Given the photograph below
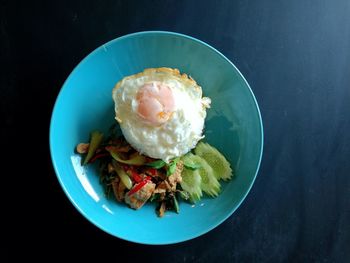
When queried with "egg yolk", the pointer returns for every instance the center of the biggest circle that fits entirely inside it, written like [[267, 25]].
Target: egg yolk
[[155, 103]]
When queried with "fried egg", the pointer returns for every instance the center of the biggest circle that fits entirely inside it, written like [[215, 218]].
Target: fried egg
[[161, 112]]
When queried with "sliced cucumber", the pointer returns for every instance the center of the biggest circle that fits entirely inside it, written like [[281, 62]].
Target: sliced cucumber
[[215, 159], [191, 182], [209, 183]]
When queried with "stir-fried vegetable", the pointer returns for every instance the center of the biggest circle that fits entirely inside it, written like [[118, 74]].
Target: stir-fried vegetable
[[172, 166], [96, 139], [156, 164], [138, 186], [176, 204], [136, 160], [98, 156], [136, 179], [122, 174]]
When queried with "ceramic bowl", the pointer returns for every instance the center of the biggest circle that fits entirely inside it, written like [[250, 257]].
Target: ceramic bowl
[[233, 125]]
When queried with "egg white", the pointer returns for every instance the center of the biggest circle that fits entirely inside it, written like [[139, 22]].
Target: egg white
[[184, 128]]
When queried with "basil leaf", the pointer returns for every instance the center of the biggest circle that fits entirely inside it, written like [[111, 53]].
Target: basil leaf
[[171, 169], [192, 166], [154, 197], [156, 164]]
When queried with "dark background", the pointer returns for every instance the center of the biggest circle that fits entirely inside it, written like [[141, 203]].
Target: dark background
[[294, 54]]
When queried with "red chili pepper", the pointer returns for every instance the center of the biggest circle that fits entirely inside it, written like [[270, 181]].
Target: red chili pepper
[[138, 187], [132, 172], [152, 171], [136, 177], [97, 156], [109, 148]]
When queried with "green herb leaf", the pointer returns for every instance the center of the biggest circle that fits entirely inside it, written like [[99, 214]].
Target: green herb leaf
[[154, 197], [176, 204], [192, 166], [156, 164], [171, 167]]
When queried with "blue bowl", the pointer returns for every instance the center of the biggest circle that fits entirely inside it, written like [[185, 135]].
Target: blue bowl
[[233, 125]]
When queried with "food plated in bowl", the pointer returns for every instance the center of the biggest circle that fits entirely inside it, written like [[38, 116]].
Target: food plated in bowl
[[161, 114], [232, 125]]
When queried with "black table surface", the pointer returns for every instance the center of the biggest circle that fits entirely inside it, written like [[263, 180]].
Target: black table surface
[[296, 57]]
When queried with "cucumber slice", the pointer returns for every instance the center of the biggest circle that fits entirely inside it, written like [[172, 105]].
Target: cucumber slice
[[215, 159], [209, 183], [191, 182]]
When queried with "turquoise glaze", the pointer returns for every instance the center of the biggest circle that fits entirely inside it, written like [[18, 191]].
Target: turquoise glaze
[[233, 125]]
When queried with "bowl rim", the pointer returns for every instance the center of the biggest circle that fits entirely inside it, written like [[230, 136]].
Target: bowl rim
[[55, 109]]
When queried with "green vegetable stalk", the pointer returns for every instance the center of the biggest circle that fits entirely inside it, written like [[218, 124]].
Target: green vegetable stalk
[[96, 139], [122, 175], [137, 160]]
